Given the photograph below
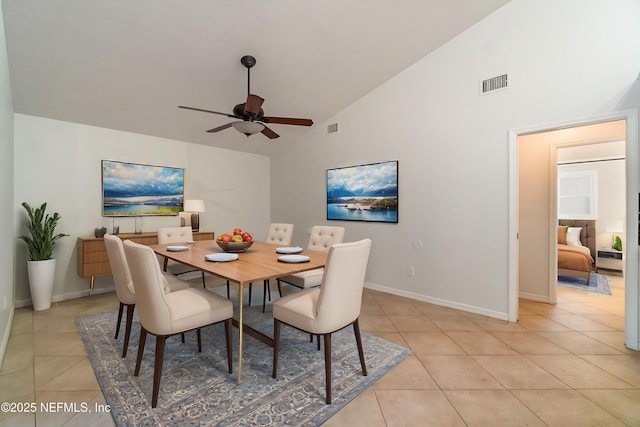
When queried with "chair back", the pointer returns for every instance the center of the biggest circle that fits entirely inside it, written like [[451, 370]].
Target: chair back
[[324, 236], [340, 296], [119, 269], [174, 235], [280, 234], [149, 284]]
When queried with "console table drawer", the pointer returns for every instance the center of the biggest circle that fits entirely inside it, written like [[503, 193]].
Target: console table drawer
[[94, 246], [95, 257], [96, 269]]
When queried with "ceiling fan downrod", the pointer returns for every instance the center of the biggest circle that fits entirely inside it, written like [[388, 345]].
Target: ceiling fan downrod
[[248, 61]]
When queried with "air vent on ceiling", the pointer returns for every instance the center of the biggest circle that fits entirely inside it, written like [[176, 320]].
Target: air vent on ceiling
[[493, 84], [332, 128]]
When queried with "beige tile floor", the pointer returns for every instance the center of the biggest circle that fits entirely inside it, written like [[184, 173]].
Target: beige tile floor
[[562, 365]]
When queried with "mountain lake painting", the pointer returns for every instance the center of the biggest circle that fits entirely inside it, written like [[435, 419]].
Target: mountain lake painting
[[130, 189], [363, 193]]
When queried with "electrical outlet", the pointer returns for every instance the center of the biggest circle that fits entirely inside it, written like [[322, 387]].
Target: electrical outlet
[[411, 271]]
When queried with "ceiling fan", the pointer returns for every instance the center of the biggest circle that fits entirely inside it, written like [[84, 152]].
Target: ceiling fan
[[250, 114]]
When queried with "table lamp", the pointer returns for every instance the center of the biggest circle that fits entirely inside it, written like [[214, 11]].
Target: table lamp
[[195, 207]]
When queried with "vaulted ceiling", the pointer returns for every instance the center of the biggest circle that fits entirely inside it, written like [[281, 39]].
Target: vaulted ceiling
[[128, 64]]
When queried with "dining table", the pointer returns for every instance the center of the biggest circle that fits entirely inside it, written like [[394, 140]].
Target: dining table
[[261, 261]]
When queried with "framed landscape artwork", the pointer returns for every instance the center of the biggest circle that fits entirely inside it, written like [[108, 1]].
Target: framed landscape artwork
[[131, 189], [363, 193]]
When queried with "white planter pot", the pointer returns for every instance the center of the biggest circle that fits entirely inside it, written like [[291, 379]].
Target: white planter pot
[[41, 275]]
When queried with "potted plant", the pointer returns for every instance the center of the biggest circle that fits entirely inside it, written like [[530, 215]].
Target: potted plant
[[617, 244], [41, 241]]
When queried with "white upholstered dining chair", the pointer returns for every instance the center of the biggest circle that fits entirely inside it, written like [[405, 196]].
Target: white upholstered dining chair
[[321, 239], [166, 314], [167, 235], [280, 234], [124, 285], [330, 308]]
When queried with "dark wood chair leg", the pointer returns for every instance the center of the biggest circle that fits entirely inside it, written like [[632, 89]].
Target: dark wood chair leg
[[276, 346], [204, 284], [141, 343], [356, 330], [127, 328], [250, 292], [228, 296], [318, 338], [182, 335], [264, 295], [119, 320], [327, 365], [199, 334], [166, 263], [157, 370], [227, 331], [267, 286], [279, 287]]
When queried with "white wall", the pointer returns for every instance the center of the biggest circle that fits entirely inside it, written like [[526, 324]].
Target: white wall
[[535, 222], [60, 163], [565, 60], [6, 194]]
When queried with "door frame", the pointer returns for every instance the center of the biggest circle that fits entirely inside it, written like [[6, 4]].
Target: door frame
[[632, 300]]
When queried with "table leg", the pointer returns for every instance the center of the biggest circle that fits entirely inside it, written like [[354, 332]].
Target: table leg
[[240, 324]]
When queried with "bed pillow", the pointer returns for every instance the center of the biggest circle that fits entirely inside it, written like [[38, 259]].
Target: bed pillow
[[562, 234], [573, 236]]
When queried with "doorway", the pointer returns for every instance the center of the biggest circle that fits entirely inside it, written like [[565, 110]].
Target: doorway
[[530, 272], [591, 186]]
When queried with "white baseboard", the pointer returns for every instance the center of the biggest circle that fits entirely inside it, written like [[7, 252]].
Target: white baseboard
[[68, 296], [368, 285], [5, 335], [534, 297], [438, 301]]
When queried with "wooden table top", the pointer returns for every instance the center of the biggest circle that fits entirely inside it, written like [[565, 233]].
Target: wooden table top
[[259, 262]]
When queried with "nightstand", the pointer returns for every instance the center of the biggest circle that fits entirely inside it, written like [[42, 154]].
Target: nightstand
[[610, 261]]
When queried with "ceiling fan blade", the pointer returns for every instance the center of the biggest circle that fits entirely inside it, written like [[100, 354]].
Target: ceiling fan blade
[[209, 111], [287, 121], [253, 105], [219, 128], [269, 133]]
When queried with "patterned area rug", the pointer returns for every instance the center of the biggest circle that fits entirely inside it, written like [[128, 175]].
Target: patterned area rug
[[598, 283], [196, 388]]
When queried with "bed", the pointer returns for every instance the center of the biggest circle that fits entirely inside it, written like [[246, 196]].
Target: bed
[[576, 248]]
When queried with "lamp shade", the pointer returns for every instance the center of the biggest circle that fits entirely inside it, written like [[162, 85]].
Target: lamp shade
[[194, 205], [248, 128], [615, 226]]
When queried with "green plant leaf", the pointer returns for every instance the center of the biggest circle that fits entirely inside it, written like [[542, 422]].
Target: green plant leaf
[[617, 245], [42, 238]]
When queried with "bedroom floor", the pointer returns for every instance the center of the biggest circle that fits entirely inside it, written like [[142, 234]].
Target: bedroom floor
[[561, 365]]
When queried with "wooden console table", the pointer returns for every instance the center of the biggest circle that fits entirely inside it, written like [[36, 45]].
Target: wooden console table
[[93, 260]]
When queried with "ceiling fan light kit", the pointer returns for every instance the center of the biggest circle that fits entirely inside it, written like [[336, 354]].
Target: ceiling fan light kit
[[250, 113], [248, 128]]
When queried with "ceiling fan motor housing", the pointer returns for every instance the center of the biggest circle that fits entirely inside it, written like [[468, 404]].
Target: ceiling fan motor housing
[[238, 111]]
